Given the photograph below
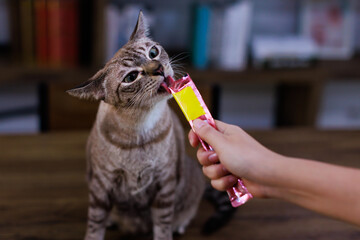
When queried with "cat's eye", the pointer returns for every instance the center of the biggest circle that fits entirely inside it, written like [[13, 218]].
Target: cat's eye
[[131, 77], [153, 52]]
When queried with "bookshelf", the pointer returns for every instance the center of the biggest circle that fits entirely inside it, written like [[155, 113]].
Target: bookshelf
[[298, 91]]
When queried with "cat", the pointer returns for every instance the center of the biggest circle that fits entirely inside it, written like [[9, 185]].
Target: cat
[[137, 168], [136, 158]]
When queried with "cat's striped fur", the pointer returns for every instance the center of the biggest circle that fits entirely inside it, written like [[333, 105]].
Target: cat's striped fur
[[137, 168]]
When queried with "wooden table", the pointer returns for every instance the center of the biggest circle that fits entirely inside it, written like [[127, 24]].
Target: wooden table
[[43, 194]]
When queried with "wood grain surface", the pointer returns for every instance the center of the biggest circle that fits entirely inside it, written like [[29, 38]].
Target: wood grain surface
[[43, 193]]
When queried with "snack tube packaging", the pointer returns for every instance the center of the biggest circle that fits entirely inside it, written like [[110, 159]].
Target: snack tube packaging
[[193, 106]]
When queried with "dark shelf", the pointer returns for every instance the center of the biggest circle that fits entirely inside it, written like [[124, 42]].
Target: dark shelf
[[299, 91], [19, 74], [324, 70]]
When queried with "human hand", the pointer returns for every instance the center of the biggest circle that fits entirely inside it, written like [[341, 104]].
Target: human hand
[[239, 154], [268, 174]]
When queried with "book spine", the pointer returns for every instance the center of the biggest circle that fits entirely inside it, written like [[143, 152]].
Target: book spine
[[237, 21], [74, 30], [41, 32], [54, 33], [69, 32], [27, 32], [200, 37]]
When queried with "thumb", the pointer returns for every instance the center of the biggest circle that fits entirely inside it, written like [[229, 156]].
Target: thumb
[[207, 133]]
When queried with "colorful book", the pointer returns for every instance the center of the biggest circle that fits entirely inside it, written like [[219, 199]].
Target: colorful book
[[54, 33], [200, 42], [41, 32], [69, 32]]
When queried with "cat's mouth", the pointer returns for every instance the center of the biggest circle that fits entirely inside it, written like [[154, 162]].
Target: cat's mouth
[[164, 86]]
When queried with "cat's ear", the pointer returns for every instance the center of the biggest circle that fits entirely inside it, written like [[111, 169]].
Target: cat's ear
[[93, 89], [141, 29]]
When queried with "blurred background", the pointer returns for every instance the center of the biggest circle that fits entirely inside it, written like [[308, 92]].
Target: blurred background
[[259, 64]]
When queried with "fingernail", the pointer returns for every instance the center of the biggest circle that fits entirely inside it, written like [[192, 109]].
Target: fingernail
[[213, 158], [198, 123]]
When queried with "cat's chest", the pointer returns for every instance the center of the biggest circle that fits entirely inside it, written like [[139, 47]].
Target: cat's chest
[[138, 172], [132, 181]]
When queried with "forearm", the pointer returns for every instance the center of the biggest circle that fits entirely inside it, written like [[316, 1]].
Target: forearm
[[328, 189]]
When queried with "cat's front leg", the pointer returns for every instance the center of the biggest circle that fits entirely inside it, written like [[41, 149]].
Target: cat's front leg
[[98, 213], [162, 211]]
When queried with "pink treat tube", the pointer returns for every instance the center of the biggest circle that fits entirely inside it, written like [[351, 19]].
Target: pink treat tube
[[193, 106]]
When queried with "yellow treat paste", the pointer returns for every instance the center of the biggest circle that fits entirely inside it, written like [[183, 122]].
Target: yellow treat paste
[[189, 103]]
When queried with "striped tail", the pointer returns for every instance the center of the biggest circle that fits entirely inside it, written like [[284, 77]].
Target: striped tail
[[223, 210]]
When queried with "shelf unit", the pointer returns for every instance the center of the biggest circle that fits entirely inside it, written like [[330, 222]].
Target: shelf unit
[[298, 90]]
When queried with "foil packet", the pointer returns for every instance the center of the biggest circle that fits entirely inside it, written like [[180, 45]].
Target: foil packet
[[193, 106]]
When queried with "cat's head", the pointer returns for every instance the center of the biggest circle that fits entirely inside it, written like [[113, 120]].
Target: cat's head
[[133, 77]]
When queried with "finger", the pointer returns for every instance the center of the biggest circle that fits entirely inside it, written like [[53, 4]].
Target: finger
[[206, 158], [193, 139], [226, 129], [224, 183], [209, 134], [215, 171], [221, 126]]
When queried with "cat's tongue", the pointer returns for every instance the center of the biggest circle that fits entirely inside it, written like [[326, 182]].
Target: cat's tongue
[[168, 81], [164, 86]]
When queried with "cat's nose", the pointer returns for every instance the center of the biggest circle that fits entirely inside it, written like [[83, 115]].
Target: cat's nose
[[154, 68]]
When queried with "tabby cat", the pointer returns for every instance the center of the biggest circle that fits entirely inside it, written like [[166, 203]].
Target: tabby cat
[[137, 169]]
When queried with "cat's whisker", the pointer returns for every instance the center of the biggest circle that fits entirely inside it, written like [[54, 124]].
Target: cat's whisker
[[180, 56], [179, 70], [177, 65], [175, 61]]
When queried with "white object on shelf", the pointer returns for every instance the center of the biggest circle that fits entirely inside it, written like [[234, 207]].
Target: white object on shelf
[[331, 25], [265, 48], [340, 107], [248, 105], [19, 109], [236, 25], [20, 125]]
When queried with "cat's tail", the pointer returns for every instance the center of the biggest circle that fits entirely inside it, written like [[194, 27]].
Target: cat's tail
[[223, 210]]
